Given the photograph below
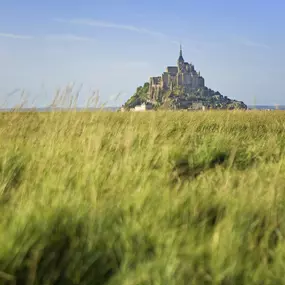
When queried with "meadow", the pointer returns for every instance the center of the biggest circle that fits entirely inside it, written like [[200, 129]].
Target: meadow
[[142, 198]]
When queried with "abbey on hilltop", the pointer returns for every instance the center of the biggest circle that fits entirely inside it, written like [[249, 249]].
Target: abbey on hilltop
[[182, 75], [179, 87]]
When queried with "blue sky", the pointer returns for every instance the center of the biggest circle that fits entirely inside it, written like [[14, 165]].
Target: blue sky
[[113, 46]]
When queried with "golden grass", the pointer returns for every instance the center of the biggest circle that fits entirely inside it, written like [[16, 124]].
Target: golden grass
[[142, 198]]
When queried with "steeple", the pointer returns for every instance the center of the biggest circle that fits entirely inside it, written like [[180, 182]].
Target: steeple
[[181, 59]]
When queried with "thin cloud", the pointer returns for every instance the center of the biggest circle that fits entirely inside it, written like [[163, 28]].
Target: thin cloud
[[110, 25], [15, 36], [68, 37], [249, 43], [176, 43], [136, 64], [255, 44]]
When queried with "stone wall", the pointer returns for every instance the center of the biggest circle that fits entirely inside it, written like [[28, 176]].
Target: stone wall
[[165, 80], [173, 70]]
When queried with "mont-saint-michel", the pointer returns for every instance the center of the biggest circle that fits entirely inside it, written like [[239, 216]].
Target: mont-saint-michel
[[179, 87]]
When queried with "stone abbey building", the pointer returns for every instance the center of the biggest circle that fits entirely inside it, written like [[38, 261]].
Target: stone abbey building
[[183, 75], [180, 87]]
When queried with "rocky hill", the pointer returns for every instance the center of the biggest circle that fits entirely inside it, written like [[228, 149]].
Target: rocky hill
[[181, 98]]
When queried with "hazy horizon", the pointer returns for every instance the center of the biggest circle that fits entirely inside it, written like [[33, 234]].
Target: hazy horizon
[[115, 46]]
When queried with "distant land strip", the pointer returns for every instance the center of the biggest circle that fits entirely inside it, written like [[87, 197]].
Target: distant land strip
[[114, 109]]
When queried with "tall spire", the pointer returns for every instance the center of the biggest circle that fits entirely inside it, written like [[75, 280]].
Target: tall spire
[[180, 59]]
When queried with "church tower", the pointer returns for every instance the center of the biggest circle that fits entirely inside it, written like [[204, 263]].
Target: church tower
[[180, 62]]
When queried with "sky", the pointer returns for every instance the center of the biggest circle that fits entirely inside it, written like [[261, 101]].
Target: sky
[[110, 47]]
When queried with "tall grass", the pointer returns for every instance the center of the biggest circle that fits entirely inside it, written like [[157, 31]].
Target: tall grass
[[142, 198]]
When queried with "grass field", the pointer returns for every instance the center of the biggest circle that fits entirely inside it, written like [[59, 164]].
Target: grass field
[[142, 198]]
